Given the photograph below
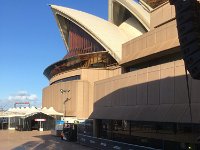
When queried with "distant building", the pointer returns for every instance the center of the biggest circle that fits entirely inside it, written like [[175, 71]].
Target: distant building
[[127, 74]]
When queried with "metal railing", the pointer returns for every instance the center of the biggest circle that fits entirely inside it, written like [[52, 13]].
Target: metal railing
[[102, 144]]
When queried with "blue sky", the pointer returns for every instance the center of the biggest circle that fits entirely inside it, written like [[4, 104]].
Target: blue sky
[[29, 42]]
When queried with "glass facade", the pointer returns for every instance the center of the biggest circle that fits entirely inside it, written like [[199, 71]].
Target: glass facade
[[86, 128], [168, 136], [83, 50], [154, 62]]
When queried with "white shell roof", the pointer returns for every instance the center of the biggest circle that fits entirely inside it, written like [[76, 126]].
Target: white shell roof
[[136, 9], [107, 34]]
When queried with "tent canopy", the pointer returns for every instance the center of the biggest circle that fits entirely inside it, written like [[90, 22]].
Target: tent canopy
[[27, 111]]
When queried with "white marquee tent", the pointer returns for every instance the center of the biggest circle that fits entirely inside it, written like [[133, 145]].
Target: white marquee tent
[[25, 112]]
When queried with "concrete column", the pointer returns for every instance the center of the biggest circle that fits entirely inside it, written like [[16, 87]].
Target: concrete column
[[96, 126]]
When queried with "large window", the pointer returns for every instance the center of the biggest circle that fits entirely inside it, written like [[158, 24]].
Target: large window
[[161, 135], [86, 128], [118, 130], [153, 62], [76, 77]]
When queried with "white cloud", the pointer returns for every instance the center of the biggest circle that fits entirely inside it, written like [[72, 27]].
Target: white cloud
[[20, 96], [33, 97]]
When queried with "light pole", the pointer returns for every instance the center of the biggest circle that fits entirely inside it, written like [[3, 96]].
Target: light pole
[[62, 91], [67, 99]]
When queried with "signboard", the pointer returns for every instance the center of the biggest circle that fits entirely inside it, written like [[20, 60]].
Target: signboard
[[40, 119], [60, 122], [22, 103]]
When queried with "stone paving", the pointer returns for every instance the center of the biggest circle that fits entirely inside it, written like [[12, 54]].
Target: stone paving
[[35, 140]]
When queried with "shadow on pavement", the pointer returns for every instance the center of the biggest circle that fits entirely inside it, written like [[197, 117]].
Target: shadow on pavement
[[50, 142]]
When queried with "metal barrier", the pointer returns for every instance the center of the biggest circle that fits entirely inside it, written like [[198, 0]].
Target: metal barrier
[[100, 143]]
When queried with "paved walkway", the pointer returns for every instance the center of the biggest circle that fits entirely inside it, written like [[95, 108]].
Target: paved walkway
[[35, 140]]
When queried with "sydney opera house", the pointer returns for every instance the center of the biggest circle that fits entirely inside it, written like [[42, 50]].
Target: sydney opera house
[[126, 74]]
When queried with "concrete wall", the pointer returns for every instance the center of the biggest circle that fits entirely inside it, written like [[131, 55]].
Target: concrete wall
[[162, 14], [65, 74], [156, 93], [156, 43], [81, 91], [78, 95], [93, 75]]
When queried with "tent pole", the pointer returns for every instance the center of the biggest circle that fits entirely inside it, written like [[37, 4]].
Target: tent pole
[[9, 123], [23, 123]]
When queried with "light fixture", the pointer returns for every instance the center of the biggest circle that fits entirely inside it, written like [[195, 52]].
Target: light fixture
[[63, 91], [67, 99]]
